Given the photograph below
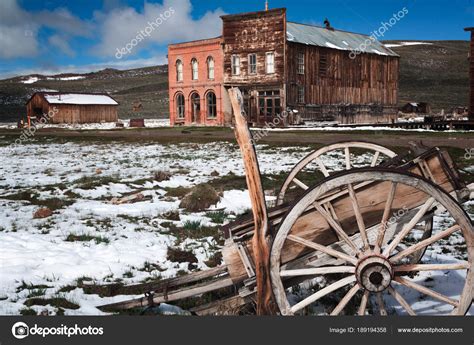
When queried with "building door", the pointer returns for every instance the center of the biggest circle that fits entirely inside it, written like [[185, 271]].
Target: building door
[[195, 108], [269, 106]]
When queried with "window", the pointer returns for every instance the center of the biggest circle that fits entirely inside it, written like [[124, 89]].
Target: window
[[300, 63], [269, 105], [210, 67], [235, 65], [180, 106], [300, 94], [270, 63], [194, 68], [323, 64], [179, 70], [211, 104], [252, 63]]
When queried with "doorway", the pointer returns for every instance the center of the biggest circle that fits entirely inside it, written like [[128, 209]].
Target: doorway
[[195, 107]]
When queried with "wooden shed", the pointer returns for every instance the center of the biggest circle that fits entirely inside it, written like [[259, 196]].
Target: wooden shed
[[416, 107], [58, 107], [471, 74]]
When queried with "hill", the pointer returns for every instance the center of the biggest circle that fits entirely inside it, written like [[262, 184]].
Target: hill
[[146, 86], [431, 71], [436, 72]]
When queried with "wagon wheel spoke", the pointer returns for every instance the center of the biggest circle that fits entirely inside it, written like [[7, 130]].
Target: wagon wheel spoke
[[409, 227], [323, 292], [426, 291], [334, 224], [345, 300], [317, 271], [347, 155], [385, 217], [375, 158], [381, 304], [322, 167], [363, 303], [462, 265], [300, 184], [324, 249], [359, 218], [401, 300], [424, 243]]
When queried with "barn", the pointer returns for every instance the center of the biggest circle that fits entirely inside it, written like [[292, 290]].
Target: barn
[[58, 107]]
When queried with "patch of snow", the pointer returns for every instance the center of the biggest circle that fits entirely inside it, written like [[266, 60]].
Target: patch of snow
[[30, 80], [331, 45], [78, 98], [401, 44]]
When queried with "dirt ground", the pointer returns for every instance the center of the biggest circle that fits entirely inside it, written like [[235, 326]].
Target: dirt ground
[[462, 140]]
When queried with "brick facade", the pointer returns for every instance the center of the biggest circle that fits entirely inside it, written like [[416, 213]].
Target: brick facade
[[196, 92]]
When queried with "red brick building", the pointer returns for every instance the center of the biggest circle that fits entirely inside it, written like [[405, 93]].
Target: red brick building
[[196, 88]]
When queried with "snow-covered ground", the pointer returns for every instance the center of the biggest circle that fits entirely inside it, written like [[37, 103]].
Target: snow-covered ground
[[89, 238], [150, 123]]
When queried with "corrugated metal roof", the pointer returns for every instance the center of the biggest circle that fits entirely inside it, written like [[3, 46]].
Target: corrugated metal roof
[[335, 39]]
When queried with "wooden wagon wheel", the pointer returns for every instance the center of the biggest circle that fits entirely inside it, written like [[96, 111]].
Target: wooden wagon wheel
[[367, 262], [315, 157]]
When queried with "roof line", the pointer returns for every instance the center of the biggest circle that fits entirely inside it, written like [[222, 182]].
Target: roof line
[[322, 27]]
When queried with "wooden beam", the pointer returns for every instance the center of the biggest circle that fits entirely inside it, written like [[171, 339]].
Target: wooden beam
[[261, 250]]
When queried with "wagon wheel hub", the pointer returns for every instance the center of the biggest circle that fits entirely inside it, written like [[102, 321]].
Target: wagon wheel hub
[[374, 273]]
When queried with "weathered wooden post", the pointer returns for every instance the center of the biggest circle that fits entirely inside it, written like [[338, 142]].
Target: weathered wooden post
[[257, 197]]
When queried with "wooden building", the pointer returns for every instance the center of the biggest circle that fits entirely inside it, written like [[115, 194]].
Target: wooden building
[[289, 72], [416, 107], [57, 107], [471, 75]]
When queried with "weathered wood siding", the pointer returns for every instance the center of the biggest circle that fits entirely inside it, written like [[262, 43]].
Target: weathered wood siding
[[259, 33], [369, 78], [72, 113]]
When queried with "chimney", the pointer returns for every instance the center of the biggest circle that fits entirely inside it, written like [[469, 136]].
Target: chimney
[[328, 25], [266, 5]]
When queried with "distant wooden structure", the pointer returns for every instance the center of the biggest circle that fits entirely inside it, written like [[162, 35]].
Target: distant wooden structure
[[471, 74], [57, 107], [416, 107]]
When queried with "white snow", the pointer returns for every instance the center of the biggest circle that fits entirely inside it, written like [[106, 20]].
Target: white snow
[[77, 98], [78, 77], [124, 238], [401, 44], [30, 80], [331, 45]]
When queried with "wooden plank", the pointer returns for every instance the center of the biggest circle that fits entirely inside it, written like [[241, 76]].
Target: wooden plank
[[173, 295], [261, 250]]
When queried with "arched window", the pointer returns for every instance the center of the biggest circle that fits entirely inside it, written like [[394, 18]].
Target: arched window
[[194, 68], [211, 104], [210, 67], [179, 70], [180, 106]]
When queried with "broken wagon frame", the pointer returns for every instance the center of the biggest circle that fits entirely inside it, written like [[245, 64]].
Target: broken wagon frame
[[339, 230]]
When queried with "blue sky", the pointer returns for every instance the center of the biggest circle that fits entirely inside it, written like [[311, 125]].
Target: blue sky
[[55, 36]]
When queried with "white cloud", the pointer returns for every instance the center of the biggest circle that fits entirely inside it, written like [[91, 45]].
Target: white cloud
[[19, 28], [123, 24], [61, 42]]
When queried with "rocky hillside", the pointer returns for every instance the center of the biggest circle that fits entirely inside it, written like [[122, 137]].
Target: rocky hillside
[[141, 92]]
